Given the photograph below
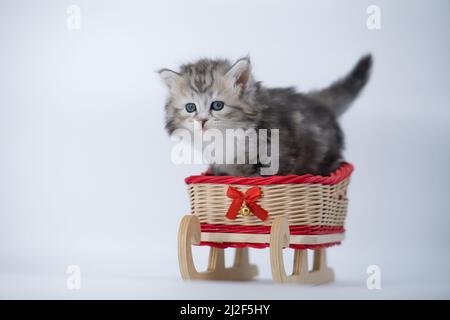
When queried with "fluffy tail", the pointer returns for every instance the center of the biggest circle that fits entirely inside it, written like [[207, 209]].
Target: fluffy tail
[[339, 95]]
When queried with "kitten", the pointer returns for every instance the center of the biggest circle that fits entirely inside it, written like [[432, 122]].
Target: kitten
[[218, 94]]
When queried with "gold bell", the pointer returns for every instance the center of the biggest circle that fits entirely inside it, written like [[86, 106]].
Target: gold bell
[[245, 211]]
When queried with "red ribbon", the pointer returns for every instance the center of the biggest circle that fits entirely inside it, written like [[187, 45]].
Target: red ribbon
[[250, 197]]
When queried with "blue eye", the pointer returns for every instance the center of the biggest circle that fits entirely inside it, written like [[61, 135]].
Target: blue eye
[[190, 107], [217, 105]]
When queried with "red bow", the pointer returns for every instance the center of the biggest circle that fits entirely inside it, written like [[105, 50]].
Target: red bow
[[250, 197]]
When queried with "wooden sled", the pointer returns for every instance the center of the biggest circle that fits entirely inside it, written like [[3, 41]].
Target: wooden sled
[[298, 212]]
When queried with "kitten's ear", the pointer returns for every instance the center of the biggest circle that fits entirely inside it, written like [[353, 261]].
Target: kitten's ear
[[170, 78], [240, 72]]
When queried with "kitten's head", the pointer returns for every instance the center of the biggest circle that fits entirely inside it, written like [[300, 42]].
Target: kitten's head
[[210, 94]]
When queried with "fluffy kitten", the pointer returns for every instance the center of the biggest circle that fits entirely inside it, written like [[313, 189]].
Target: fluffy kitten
[[221, 95]]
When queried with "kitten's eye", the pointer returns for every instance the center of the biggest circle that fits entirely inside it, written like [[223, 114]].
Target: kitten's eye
[[190, 107], [217, 105]]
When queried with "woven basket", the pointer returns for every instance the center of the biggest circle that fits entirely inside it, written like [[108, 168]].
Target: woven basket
[[315, 207]]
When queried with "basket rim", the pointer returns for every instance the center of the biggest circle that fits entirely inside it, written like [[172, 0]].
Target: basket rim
[[342, 173]]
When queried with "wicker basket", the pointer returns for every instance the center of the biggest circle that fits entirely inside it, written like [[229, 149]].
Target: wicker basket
[[300, 212], [313, 205]]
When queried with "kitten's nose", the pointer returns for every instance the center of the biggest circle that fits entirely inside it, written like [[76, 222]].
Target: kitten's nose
[[203, 121]]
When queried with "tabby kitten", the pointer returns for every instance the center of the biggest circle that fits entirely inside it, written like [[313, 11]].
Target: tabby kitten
[[220, 95]]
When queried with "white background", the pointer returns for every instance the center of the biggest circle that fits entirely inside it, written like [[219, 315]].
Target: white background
[[85, 170]]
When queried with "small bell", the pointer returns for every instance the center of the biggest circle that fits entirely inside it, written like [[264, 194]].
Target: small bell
[[245, 211]]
